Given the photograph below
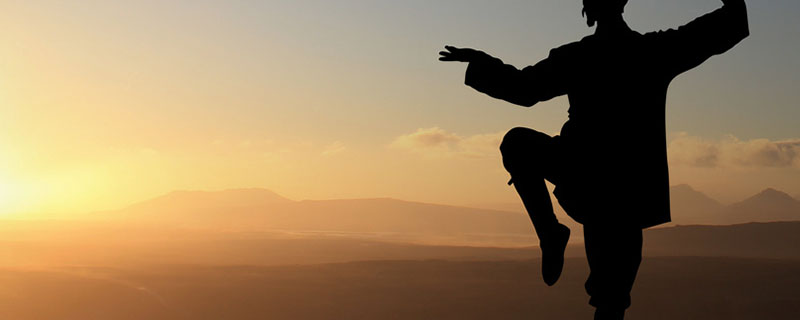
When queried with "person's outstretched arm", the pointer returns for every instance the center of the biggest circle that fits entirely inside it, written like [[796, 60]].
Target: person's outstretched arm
[[708, 35], [526, 87]]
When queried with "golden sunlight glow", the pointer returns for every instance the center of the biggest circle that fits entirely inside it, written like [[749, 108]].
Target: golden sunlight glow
[[7, 198], [107, 105]]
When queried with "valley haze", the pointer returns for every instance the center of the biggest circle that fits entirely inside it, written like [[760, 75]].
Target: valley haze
[[251, 253]]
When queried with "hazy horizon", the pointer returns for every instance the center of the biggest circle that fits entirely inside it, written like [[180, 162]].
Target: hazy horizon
[[511, 205]]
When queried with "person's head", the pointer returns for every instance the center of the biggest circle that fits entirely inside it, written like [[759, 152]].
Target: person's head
[[600, 10]]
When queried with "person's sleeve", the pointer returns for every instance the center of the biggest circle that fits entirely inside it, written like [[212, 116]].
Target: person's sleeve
[[708, 35], [540, 82]]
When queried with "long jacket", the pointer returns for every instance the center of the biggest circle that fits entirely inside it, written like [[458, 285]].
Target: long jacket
[[617, 87]]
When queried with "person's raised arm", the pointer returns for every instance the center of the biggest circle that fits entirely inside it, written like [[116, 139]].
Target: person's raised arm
[[708, 35], [491, 76]]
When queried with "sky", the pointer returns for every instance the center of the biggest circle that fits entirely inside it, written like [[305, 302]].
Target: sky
[[106, 103]]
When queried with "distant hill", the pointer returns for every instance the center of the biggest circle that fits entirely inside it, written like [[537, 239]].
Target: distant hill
[[768, 205], [693, 207], [184, 201], [775, 240], [690, 206], [260, 210], [500, 206]]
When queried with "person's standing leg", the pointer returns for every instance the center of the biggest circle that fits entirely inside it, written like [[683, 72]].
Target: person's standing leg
[[614, 253], [525, 152]]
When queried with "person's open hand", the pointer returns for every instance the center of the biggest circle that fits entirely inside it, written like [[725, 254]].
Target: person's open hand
[[459, 54]]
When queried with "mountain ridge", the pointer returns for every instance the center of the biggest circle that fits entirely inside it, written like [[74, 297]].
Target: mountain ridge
[[769, 204], [691, 206], [223, 210], [258, 208]]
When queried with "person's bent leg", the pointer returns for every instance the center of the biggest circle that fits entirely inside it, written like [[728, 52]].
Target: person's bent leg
[[523, 150], [523, 153], [614, 253]]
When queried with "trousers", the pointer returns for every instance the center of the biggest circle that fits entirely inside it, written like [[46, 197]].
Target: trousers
[[613, 246]]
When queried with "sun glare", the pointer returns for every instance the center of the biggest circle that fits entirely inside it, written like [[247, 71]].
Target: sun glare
[[10, 197], [5, 197]]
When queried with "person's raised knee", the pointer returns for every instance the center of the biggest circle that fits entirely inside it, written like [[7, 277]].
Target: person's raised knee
[[521, 139], [513, 139], [521, 148]]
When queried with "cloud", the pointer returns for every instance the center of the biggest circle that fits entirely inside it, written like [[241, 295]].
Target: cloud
[[427, 138], [333, 148], [439, 142], [730, 151], [684, 149]]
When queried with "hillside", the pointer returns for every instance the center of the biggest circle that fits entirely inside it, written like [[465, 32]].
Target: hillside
[[183, 201], [666, 288], [261, 210], [767, 205], [690, 206], [775, 240], [693, 207], [385, 219], [118, 245]]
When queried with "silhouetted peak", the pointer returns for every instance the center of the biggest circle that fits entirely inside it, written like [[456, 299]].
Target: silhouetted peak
[[773, 194], [685, 194], [207, 199], [770, 198]]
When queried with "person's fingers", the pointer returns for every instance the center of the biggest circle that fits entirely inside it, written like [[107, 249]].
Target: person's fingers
[[454, 54], [453, 49], [451, 59]]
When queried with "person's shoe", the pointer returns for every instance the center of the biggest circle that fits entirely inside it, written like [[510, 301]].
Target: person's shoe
[[553, 246]]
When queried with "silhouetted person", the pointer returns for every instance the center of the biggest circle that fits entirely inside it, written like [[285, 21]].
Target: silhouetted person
[[609, 164]]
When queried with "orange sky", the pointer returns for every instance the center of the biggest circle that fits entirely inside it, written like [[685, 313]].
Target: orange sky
[[107, 104]]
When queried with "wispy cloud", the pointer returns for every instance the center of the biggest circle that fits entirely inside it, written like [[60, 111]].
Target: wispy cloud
[[436, 141], [333, 148], [730, 151], [684, 149]]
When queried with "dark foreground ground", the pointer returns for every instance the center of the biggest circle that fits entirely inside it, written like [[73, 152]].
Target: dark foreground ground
[[667, 288]]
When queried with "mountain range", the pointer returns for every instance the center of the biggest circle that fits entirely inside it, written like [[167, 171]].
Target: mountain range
[[260, 210], [690, 206], [263, 210]]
